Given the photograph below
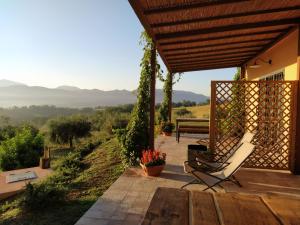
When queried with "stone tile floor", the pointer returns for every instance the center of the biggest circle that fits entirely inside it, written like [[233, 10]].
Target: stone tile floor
[[128, 199]]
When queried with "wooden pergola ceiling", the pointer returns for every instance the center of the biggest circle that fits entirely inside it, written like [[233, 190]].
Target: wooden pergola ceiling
[[209, 34]]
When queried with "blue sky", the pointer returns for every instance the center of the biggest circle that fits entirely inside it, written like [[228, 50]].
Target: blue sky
[[83, 43]]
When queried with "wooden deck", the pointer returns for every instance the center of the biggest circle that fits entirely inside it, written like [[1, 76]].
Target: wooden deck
[[180, 207]]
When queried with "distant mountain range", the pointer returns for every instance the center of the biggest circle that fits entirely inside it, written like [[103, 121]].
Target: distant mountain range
[[18, 94]]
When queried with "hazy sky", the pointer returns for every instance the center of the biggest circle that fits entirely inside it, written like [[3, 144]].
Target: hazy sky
[[84, 43]]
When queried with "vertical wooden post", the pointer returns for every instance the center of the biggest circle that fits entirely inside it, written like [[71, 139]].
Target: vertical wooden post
[[170, 97], [152, 94], [212, 118], [296, 169], [243, 72]]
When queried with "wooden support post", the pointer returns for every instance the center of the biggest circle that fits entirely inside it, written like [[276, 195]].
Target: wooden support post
[[170, 97], [152, 94], [296, 169], [212, 119], [243, 72]]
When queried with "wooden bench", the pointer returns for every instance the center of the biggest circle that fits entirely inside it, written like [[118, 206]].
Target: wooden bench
[[181, 207], [192, 129]]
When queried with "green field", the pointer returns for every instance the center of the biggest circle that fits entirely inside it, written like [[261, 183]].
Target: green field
[[195, 112]]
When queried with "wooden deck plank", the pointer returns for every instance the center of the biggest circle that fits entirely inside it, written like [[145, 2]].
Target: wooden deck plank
[[168, 206], [287, 209], [240, 209], [203, 209]]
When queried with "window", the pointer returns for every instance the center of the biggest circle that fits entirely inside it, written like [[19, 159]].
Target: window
[[274, 76]]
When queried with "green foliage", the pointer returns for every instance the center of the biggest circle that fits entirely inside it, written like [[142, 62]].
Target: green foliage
[[237, 75], [42, 195], [37, 115], [164, 107], [137, 132], [66, 129], [167, 90], [183, 112], [22, 150]]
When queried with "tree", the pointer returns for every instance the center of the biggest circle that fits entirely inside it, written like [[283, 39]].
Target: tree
[[136, 136], [23, 150], [64, 130]]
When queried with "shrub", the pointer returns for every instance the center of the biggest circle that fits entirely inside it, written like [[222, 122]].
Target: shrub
[[68, 167], [183, 112], [42, 195], [23, 150]]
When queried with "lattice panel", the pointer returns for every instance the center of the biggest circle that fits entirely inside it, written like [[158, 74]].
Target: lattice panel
[[262, 107]]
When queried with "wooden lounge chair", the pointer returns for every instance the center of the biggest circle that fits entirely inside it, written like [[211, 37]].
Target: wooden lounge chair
[[212, 179], [195, 159]]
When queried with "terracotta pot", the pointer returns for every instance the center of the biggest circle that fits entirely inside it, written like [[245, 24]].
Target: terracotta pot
[[167, 133], [153, 171]]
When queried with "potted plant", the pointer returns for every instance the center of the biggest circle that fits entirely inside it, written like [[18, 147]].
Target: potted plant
[[153, 162], [167, 128]]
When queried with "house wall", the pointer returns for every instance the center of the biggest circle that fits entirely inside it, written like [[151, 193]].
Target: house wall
[[284, 58]]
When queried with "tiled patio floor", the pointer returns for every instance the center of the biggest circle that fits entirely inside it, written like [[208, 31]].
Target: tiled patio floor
[[127, 200]]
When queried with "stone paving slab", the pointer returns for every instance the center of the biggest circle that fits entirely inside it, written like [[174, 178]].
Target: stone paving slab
[[127, 200]]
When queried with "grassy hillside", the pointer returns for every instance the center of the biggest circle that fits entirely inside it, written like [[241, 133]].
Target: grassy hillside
[[100, 169]]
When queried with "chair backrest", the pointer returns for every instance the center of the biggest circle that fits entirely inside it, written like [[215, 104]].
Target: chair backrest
[[248, 137], [240, 156]]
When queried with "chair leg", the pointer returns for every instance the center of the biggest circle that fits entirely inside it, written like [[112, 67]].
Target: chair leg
[[210, 187], [235, 181], [195, 181]]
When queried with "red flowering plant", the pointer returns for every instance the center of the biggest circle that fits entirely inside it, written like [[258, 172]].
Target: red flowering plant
[[153, 158]]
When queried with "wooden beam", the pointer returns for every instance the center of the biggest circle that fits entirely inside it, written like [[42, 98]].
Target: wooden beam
[[223, 37], [209, 65], [170, 98], [219, 44], [243, 73], [180, 7], [212, 118], [211, 57], [217, 60], [170, 59], [206, 66], [228, 28], [152, 99], [296, 163], [202, 68], [214, 50]]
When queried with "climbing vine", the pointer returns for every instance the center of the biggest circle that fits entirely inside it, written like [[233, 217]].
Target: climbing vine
[[167, 90], [136, 137]]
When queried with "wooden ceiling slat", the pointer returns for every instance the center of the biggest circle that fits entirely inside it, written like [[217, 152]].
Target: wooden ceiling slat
[[198, 65], [181, 7], [240, 58], [170, 59], [208, 34], [290, 21], [190, 69], [220, 44], [223, 37], [235, 15], [212, 57], [194, 53]]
